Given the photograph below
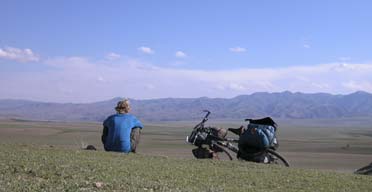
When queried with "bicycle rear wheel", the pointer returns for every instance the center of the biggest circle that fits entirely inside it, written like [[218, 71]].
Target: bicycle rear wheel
[[276, 158], [221, 153], [367, 170]]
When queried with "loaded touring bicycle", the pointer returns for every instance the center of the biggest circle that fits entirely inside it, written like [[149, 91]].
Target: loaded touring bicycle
[[256, 142]]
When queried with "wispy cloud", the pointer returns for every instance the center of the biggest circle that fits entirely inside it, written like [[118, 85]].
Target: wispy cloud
[[146, 50], [358, 85], [101, 79], [306, 45], [135, 79], [180, 54], [238, 49], [306, 42], [20, 55], [149, 86], [344, 59], [112, 56]]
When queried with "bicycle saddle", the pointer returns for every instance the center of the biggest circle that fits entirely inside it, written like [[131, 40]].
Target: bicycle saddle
[[237, 131]]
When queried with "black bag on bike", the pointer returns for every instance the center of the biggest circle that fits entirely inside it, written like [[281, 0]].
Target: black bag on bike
[[259, 135]]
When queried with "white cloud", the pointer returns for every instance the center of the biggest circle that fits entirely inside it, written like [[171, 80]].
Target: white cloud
[[68, 62], [358, 85], [320, 85], [180, 54], [79, 79], [146, 50], [237, 49], [112, 56], [236, 87], [16, 54]]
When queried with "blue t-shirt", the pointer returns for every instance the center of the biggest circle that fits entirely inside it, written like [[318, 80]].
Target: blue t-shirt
[[119, 129]]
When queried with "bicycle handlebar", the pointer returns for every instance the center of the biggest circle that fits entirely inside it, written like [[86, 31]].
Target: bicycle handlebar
[[208, 113], [205, 119], [206, 116]]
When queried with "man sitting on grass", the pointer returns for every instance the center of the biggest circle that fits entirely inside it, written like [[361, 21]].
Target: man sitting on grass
[[121, 131]]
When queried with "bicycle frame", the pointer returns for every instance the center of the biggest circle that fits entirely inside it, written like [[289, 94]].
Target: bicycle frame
[[204, 133], [198, 127]]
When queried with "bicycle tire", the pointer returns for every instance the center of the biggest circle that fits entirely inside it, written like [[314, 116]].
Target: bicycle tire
[[366, 170], [277, 155], [223, 151]]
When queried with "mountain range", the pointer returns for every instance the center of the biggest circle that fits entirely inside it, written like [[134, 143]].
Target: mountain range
[[260, 104]]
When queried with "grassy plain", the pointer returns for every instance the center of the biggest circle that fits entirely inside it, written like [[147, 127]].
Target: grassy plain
[[38, 155], [341, 145], [37, 168]]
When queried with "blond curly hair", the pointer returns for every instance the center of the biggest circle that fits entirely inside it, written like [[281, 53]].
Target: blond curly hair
[[123, 106]]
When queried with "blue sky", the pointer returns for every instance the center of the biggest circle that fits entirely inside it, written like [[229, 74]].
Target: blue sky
[[84, 51]]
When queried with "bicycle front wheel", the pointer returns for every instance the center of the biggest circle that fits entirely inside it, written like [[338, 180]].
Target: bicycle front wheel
[[276, 158]]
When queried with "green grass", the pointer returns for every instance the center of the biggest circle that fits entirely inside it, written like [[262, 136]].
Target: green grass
[[43, 168]]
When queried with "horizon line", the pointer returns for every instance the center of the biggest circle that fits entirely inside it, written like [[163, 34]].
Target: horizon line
[[259, 92]]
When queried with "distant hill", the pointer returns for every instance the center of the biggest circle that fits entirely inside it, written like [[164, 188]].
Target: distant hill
[[283, 105]]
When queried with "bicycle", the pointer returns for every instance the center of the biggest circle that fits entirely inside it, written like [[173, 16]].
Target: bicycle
[[218, 146]]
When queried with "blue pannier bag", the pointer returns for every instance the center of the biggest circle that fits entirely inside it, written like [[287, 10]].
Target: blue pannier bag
[[259, 135]]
